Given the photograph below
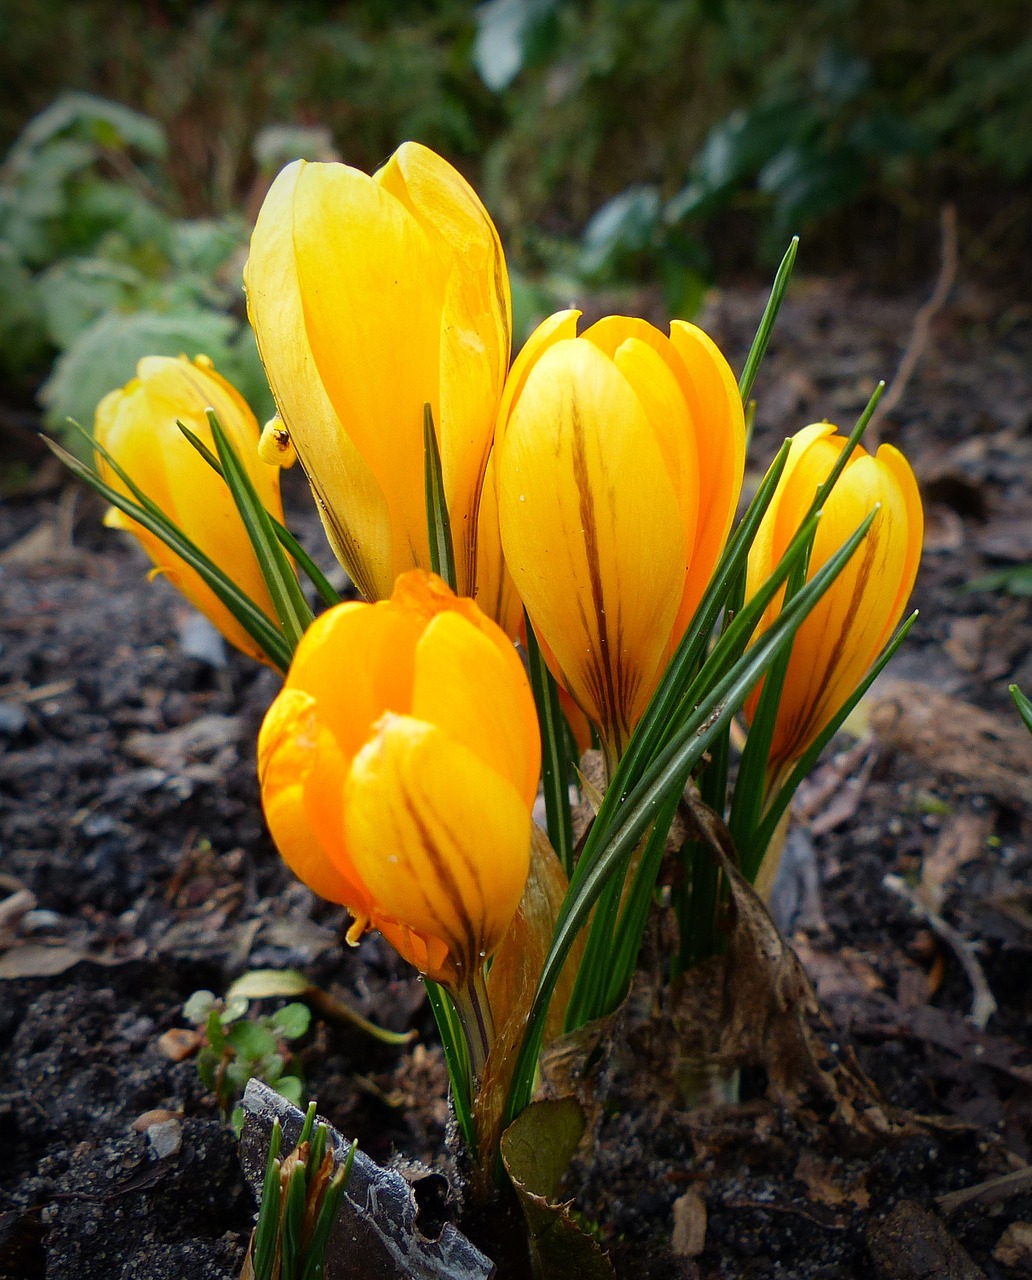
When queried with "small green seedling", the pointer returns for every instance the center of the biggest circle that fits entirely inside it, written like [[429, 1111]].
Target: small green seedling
[[239, 1047], [300, 1199]]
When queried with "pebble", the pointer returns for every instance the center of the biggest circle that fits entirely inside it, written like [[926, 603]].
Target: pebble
[[13, 719]]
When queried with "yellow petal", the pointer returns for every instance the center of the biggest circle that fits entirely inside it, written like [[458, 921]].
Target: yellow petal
[[591, 530], [351, 504], [842, 636], [466, 685], [302, 775], [138, 427], [810, 451], [554, 329], [356, 661], [476, 332], [441, 840], [372, 289], [715, 408]]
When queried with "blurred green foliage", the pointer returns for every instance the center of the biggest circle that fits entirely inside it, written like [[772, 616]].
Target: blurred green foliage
[[615, 141], [93, 265]]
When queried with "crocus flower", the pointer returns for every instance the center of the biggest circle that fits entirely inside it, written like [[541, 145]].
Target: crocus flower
[[371, 297], [620, 456], [137, 426], [840, 639], [399, 766]]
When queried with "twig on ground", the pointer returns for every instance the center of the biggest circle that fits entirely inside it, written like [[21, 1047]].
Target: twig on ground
[[983, 1004], [1010, 1184], [922, 327]]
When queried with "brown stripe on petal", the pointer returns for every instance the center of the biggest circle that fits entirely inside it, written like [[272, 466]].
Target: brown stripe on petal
[[812, 709], [465, 961], [607, 681]]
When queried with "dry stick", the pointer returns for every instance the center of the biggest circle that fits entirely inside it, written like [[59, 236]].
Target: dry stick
[[922, 325], [983, 1004], [1010, 1184]]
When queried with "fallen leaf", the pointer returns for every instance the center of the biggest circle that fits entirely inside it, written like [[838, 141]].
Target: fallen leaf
[[12, 909], [1014, 1248], [688, 1238], [961, 840], [990, 754], [178, 1043], [191, 742]]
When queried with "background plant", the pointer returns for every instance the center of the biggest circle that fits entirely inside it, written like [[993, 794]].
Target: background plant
[[238, 1047], [615, 143]]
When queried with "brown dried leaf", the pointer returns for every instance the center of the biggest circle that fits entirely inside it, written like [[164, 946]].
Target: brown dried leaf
[[961, 841], [1014, 1248], [197, 740], [768, 1000], [688, 1238], [178, 1043], [988, 753]]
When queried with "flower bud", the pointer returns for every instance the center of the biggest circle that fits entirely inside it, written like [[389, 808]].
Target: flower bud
[[137, 426], [371, 297], [852, 622], [406, 792], [620, 456]]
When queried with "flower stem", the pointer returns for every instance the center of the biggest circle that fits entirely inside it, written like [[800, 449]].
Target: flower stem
[[474, 1010]]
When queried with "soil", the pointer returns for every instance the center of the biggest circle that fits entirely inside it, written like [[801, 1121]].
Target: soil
[[131, 828]]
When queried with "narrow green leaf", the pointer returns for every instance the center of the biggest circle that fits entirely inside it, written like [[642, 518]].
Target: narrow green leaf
[[750, 783], [293, 1224], [456, 1059], [315, 1255], [669, 769], [442, 554], [633, 919], [306, 1128], [1023, 705], [555, 764], [770, 314], [291, 606], [316, 1153], [268, 1215], [655, 722], [265, 633], [319, 580]]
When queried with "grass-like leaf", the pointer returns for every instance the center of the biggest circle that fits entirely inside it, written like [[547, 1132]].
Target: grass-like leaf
[[770, 314], [555, 764], [291, 606], [319, 580], [666, 775], [752, 851], [456, 1059], [442, 553], [1023, 705], [268, 1216], [262, 629]]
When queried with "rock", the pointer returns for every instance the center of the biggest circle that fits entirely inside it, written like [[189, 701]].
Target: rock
[[912, 1244]]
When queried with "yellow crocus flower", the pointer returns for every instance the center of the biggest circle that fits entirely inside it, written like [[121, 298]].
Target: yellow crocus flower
[[137, 426], [371, 297], [843, 635], [406, 792], [620, 456]]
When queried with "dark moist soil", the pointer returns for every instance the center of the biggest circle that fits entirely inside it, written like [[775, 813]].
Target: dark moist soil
[[129, 812]]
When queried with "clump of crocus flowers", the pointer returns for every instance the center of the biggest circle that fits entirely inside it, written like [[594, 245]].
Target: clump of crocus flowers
[[593, 485]]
